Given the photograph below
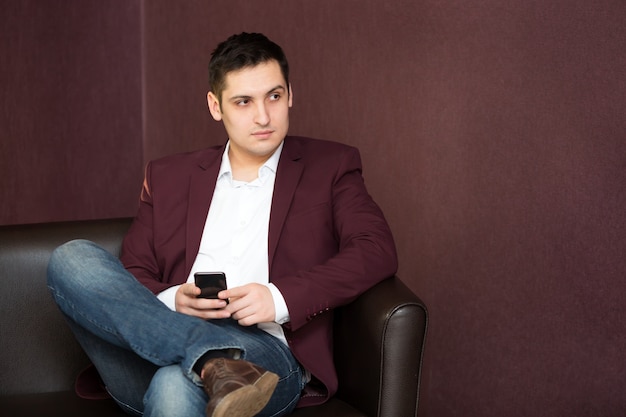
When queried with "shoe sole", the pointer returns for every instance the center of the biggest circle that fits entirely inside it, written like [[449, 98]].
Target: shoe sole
[[249, 400]]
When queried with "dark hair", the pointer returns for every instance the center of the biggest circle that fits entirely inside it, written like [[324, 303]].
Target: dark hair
[[243, 51]]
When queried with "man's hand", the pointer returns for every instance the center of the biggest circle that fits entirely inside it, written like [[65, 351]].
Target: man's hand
[[205, 308], [250, 304]]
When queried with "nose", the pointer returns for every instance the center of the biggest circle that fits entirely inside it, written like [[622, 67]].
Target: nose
[[262, 116]]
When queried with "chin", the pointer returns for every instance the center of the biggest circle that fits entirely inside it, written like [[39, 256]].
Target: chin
[[268, 145]]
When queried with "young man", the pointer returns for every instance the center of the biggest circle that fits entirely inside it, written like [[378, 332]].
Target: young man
[[287, 219]]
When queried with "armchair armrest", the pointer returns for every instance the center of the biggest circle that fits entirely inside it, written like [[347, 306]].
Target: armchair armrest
[[379, 342]]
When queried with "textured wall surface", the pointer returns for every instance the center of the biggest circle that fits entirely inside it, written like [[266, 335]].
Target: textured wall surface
[[492, 135], [70, 109]]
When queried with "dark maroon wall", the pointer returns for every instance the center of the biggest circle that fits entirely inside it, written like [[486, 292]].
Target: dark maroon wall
[[70, 109], [492, 134]]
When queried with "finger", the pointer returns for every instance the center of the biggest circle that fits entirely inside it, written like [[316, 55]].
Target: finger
[[252, 314], [212, 314], [208, 303], [190, 290], [206, 308], [223, 295], [235, 292], [245, 317]]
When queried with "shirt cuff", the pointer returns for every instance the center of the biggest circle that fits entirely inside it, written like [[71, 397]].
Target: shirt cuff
[[280, 306], [168, 297]]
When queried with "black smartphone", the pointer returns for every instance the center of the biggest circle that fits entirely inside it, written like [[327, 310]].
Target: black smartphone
[[210, 283]]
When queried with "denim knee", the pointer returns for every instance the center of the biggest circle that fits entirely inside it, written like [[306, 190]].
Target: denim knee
[[65, 257], [58, 265]]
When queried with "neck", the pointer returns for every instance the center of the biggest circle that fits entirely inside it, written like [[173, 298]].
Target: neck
[[245, 168], [245, 174]]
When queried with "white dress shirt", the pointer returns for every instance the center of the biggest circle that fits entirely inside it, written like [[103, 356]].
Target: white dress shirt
[[234, 240]]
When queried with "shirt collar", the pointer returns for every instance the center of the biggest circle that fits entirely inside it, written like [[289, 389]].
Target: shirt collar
[[269, 167]]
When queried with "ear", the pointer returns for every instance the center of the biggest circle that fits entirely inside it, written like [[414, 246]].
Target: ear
[[214, 106], [290, 95]]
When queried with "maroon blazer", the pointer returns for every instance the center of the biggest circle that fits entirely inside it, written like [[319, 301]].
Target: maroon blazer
[[328, 240]]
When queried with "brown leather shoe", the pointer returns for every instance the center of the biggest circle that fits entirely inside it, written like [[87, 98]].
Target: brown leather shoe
[[236, 387]]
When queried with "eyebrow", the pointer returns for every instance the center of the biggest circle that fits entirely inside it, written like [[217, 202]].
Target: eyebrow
[[244, 97]]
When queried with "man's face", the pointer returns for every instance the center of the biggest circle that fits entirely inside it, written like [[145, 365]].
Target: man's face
[[255, 110]]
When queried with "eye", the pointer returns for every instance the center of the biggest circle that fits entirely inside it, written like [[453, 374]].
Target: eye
[[242, 102], [274, 96]]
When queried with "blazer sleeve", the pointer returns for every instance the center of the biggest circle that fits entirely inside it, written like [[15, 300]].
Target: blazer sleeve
[[355, 245], [138, 252]]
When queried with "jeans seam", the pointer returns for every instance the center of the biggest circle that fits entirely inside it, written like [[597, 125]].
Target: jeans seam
[[290, 405], [123, 405]]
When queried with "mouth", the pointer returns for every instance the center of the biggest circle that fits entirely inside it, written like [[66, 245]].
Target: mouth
[[262, 134]]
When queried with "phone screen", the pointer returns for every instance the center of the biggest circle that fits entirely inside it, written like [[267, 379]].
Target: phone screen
[[211, 283]]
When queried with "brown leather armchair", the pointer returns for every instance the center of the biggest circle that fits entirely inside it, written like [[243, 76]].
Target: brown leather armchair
[[379, 339]]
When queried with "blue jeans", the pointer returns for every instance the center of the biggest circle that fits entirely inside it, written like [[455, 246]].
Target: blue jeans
[[145, 352]]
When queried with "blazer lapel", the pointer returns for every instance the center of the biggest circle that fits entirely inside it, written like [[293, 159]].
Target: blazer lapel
[[287, 178], [201, 188]]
